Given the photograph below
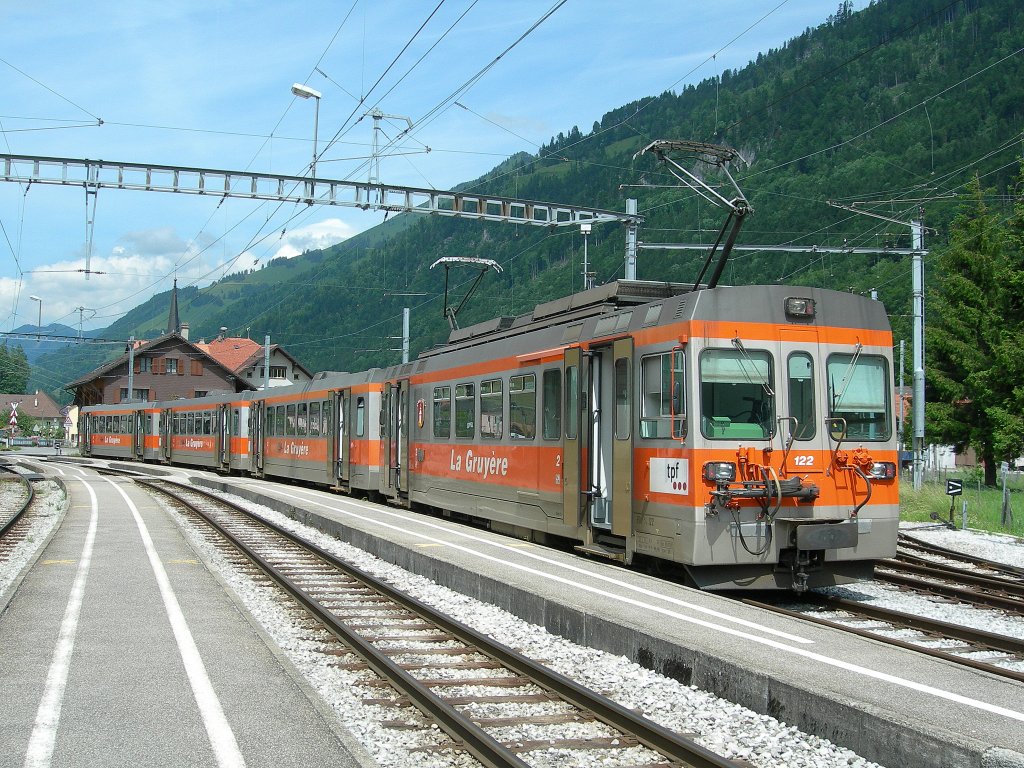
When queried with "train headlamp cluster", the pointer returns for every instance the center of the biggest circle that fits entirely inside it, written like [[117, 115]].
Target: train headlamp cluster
[[799, 308], [882, 470], [720, 471]]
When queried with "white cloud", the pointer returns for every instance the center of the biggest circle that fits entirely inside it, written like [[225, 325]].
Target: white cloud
[[312, 237]]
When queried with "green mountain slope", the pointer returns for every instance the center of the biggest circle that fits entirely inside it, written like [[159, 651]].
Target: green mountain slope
[[899, 103]]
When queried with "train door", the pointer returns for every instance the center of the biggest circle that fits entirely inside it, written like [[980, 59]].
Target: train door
[[167, 431], [394, 476], [611, 439], [139, 438], [224, 436], [802, 418], [257, 420], [574, 461], [85, 433], [340, 453]]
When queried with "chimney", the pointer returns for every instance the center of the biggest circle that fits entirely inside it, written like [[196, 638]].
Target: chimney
[[184, 331], [223, 332]]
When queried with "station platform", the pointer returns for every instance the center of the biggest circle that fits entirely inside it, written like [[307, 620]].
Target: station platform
[[892, 706], [121, 649]]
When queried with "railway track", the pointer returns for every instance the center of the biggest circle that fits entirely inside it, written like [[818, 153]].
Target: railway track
[[879, 623], [16, 489], [488, 699], [990, 590]]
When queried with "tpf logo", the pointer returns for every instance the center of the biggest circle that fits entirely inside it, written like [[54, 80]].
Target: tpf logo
[[670, 476]]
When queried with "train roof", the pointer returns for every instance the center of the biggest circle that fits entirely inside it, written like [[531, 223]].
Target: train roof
[[746, 303]]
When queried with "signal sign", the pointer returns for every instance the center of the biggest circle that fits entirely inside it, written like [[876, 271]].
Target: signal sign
[[954, 487]]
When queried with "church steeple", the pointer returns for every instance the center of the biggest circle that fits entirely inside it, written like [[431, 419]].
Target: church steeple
[[173, 322]]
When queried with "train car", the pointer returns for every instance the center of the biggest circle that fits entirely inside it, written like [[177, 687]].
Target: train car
[[325, 431], [743, 433], [211, 431], [128, 431]]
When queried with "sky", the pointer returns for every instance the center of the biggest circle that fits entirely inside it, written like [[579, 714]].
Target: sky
[[207, 84]]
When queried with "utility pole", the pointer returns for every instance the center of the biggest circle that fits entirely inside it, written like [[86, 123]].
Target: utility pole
[[131, 368], [266, 362], [918, 253]]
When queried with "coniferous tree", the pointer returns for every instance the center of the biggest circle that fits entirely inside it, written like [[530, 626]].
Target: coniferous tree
[[973, 364], [14, 370]]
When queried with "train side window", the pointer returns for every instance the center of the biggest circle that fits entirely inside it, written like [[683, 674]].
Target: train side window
[[663, 404], [859, 392], [190, 423], [552, 383], [301, 416], [314, 419], [622, 398], [737, 394], [522, 407], [572, 402], [281, 430], [325, 418], [289, 420], [360, 417], [800, 368], [492, 406], [208, 423], [271, 426], [465, 410], [442, 413]]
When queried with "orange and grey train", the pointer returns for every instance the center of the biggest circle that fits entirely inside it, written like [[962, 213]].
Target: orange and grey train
[[742, 434]]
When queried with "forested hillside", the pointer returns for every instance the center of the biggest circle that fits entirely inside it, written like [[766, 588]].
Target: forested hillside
[[897, 106]]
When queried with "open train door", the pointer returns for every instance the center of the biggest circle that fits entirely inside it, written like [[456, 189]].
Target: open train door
[[606, 466], [339, 455], [574, 464]]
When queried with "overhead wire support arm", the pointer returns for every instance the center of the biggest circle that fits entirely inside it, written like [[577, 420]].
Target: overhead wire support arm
[[247, 185], [738, 207], [467, 261]]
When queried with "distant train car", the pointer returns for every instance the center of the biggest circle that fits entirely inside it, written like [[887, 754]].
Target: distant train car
[[744, 434], [126, 431], [325, 431], [210, 431]]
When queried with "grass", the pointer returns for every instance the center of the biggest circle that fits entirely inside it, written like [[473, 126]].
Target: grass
[[984, 504]]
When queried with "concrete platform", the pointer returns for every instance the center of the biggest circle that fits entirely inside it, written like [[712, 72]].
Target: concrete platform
[[892, 706], [120, 648]]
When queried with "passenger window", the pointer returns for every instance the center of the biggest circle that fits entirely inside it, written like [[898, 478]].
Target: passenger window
[[360, 417], [314, 419], [465, 410], [301, 412], [737, 397], [442, 414], [289, 420], [801, 396], [662, 408], [858, 391], [522, 407], [492, 406]]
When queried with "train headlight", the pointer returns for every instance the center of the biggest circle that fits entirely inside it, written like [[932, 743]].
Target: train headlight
[[720, 471], [883, 470], [799, 308]]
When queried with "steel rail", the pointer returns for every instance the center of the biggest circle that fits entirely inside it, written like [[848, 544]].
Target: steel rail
[[973, 596], [484, 748], [974, 637], [30, 495], [910, 542]]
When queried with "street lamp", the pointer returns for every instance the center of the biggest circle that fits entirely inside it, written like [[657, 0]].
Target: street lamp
[[305, 92], [39, 325]]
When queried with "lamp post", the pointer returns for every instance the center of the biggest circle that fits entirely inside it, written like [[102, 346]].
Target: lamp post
[[305, 92], [39, 325]]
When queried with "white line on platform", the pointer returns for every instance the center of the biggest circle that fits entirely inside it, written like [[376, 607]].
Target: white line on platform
[[222, 738], [44, 731]]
